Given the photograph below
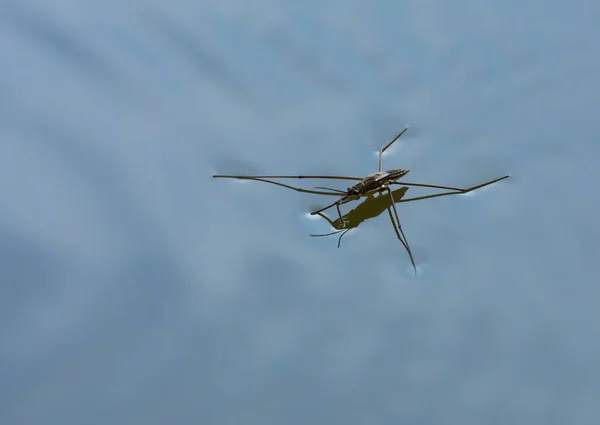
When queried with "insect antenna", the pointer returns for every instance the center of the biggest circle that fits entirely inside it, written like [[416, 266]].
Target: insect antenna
[[387, 146]]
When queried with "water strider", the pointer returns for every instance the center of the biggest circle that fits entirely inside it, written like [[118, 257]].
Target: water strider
[[375, 183]]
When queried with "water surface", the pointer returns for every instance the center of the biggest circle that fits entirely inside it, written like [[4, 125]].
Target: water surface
[[137, 290]]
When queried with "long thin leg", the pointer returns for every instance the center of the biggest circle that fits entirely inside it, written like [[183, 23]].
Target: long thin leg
[[221, 176], [454, 192], [389, 210], [435, 195], [343, 192], [400, 228], [435, 186], [387, 146], [297, 189]]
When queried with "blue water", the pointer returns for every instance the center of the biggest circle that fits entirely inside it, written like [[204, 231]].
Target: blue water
[[135, 289]]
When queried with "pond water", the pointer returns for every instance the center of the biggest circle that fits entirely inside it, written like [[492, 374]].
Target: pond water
[[136, 289]]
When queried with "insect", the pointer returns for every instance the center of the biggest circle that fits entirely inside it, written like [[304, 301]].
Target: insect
[[374, 184]]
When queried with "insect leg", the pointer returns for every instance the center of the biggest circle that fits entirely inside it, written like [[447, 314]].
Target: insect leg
[[453, 191], [400, 229], [389, 210], [337, 205], [326, 208], [342, 192], [222, 176], [435, 186], [287, 186]]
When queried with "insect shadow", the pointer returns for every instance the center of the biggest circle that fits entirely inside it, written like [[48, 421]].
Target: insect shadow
[[370, 208]]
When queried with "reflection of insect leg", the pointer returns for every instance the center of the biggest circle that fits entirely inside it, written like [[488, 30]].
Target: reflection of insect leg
[[343, 232], [315, 235], [398, 229]]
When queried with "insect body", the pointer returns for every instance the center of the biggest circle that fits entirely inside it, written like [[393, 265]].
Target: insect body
[[376, 181], [373, 183]]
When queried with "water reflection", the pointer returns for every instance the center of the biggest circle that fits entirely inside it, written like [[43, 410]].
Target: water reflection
[[370, 208]]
